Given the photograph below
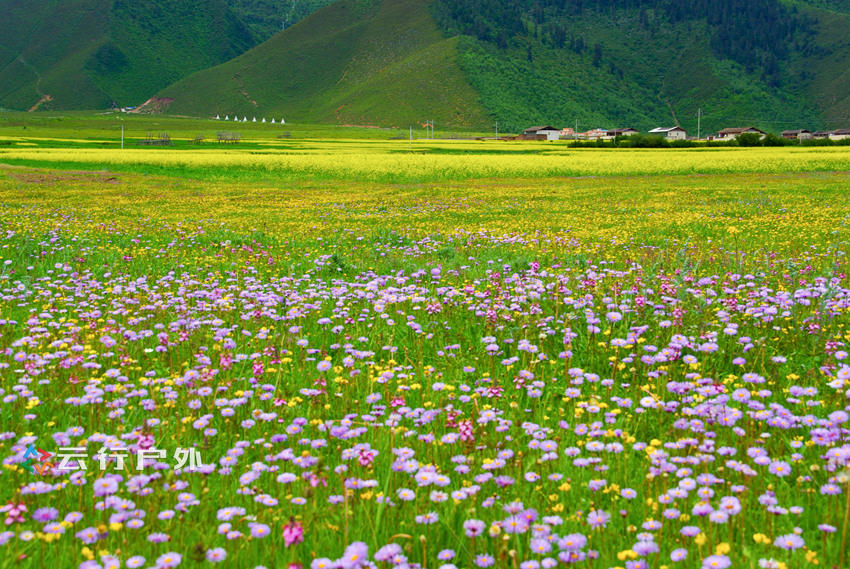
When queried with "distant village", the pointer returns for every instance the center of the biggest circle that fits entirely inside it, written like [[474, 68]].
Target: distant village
[[672, 133], [548, 132]]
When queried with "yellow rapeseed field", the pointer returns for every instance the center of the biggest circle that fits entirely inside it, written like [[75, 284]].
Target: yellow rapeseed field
[[386, 161]]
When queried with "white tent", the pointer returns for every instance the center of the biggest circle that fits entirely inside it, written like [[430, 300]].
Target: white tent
[[236, 119], [217, 118], [264, 119], [227, 117], [282, 121], [255, 119], [272, 121], [244, 119]]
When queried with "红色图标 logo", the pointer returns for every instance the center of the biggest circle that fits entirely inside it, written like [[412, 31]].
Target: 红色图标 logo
[[36, 460]]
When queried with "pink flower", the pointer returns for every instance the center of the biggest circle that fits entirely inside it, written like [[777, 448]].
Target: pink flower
[[293, 532]]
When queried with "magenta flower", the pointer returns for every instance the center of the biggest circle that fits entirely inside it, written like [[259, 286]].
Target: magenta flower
[[293, 533]]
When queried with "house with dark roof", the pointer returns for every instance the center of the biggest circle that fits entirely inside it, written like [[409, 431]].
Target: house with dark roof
[[840, 134], [615, 132], [733, 133], [799, 134], [542, 133]]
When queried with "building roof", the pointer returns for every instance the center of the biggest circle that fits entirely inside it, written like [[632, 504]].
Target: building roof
[[824, 132], [616, 131], [842, 131], [668, 129], [539, 128], [740, 130], [797, 131]]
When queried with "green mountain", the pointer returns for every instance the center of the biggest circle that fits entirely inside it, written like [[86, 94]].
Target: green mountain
[[358, 62], [72, 54], [775, 64]]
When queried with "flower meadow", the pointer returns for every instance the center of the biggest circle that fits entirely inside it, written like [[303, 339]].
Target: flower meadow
[[640, 372]]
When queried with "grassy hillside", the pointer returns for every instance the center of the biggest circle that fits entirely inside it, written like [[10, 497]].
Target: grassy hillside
[[646, 63], [642, 63], [267, 17], [73, 54], [355, 62]]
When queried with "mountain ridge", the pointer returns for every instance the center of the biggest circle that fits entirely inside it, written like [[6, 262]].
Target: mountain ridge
[[775, 64]]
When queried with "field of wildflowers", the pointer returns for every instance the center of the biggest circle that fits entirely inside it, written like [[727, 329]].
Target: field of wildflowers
[[482, 371]]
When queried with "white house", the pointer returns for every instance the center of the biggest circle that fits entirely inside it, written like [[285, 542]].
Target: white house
[[733, 133], [542, 133], [671, 133], [840, 134]]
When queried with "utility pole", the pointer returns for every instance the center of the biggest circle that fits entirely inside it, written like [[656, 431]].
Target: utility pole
[[497, 130], [699, 124], [122, 137]]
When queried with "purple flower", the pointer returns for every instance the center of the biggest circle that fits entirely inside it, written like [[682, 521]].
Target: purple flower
[[387, 552], [789, 541], [168, 560], [474, 528], [216, 555], [573, 541], [105, 486], [716, 562], [87, 536], [484, 560], [678, 554], [598, 518], [779, 468], [259, 531], [355, 555], [45, 515], [158, 537]]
